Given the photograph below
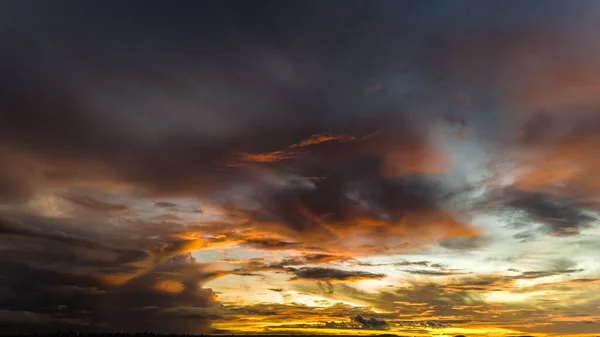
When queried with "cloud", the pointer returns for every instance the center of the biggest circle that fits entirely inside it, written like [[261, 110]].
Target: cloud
[[333, 275], [16, 179], [546, 273], [71, 278], [288, 265], [400, 264], [557, 215], [465, 243], [357, 322], [272, 244], [436, 272], [94, 204], [327, 137], [177, 149], [266, 157], [552, 150], [371, 323], [275, 156], [244, 146], [339, 316], [165, 204], [356, 201], [316, 138], [412, 263], [314, 259]]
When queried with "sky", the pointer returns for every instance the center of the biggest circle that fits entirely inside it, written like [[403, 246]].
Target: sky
[[422, 168]]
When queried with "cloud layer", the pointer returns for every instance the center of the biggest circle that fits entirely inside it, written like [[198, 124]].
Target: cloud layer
[[416, 167]]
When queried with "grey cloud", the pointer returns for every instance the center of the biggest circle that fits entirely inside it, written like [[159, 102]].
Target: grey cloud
[[179, 141], [160, 141], [425, 296], [16, 180], [371, 323], [526, 235], [165, 204], [465, 243], [313, 259], [93, 203], [415, 263], [56, 279], [401, 264], [436, 272], [356, 189], [162, 98], [253, 267], [271, 244], [558, 216], [546, 273], [332, 275]]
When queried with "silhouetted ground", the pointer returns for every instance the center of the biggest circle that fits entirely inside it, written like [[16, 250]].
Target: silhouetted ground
[[150, 334]]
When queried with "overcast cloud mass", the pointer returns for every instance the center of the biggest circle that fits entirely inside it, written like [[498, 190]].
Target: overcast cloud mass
[[409, 167]]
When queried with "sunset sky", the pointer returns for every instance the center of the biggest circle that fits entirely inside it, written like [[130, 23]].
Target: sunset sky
[[422, 168]]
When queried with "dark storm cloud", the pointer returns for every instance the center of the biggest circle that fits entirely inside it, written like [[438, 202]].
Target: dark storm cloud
[[313, 121], [333, 275], [174, 111], [112, 113], [52, 248], [60, 277], [165, 119], [557, 215], [149, 93]]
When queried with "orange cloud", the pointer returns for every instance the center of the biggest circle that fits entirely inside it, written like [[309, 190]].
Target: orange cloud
[[275, 156], [170, 286], [572, 83], [569, 164], [266, 157], [327, 137]]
